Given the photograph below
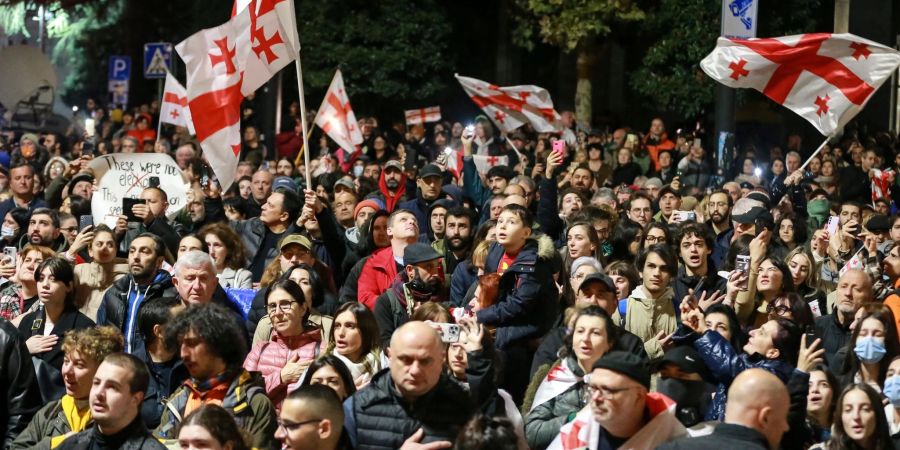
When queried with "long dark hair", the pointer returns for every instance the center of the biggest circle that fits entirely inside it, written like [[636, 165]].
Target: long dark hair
[[852, 363], [833, 382], [882, 434], [337, 365], [318, 288], [626, 232], [219, 423], [365, 321], [738, 337], [367, 245]]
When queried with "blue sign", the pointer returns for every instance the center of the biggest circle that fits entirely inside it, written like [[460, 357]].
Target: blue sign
[[739, 18], [157, 59], [119, 68]]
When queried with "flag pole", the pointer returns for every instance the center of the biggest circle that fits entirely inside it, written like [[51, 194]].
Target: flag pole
[[815, 153], [162, 95], [305, 149]]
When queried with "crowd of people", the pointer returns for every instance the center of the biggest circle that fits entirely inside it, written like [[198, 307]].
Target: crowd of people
[[599, 290]]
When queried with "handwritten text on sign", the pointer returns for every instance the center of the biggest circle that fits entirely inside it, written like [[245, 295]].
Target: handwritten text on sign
[[126, 175]]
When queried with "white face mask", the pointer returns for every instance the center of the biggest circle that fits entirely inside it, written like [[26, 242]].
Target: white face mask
[[6, 231], [357, 171]]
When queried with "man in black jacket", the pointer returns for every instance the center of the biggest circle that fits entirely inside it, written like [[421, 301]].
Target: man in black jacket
[[412, 401], [119, 387], [854, 288], [755, 416], [22, 398]]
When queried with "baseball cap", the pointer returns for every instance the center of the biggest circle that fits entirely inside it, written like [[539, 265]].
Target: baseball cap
[[418, 253], [430, 170], [295, 239], [653, 182], [393, 164], [632, 366], [346, 183], [749, 216], [746, 185], [29, 137], [760, 197], [668, 189], [284, 182], [685, 358], [599, 277]]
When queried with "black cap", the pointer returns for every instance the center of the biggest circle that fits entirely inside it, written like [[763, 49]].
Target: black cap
[[79, 178], [746, 185], [760, 197], [419, 253], [749, 216], [630, 365], [686, 358], [878, 223], [668, 189], [601, 278], [445, 203], [430, 170], [502, 172]]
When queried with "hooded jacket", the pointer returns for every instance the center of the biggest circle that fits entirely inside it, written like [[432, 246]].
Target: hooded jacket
[[392, 308], [646, 316], [528, 301], [377, 275], [391, 201]]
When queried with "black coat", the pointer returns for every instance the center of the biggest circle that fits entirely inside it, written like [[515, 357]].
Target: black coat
[[136, 437], [834, 337], [21, 399], [33, 324], [724, 436]]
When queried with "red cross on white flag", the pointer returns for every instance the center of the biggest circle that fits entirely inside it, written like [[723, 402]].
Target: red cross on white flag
[[826, 78], [483, 163], [423, 115], [228, 62], [174, 108], [512, 106], [336, 117]]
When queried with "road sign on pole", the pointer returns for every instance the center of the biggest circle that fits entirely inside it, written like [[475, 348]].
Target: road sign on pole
[[119, 73], [157, 59], [739, 18]]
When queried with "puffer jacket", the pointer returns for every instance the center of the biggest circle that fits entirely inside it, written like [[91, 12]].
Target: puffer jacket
[[646, 316], [21, 396], [246, 401], [543, 422], [377, 418], [725, 363], [269, 357], [528, 300]]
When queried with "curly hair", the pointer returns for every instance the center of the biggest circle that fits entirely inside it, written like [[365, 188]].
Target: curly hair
[[94, 343], [236, 257], [216, 326], [220, 424]]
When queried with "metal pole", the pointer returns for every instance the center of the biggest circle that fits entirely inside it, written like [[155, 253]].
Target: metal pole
[[841, 16], [303, 121], [41, 25]]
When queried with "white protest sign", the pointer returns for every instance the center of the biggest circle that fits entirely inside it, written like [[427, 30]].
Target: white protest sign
[[125, 175]]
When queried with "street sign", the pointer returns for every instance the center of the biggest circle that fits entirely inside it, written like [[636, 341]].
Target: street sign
[[119, 67], [157, 59], [739, 18], [119, 73]]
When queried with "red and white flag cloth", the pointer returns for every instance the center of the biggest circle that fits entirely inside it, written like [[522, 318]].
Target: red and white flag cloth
[[228, 62], [512, 106], [881, 183], [856, 262], [174, 108], [455, 163], [826, 78], [583, 433], [483, 163], [336, 117], [423, 115], [558, 380]]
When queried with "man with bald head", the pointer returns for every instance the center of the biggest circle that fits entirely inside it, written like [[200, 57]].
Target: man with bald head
[[414, 402], [755, 416], [853, 289]]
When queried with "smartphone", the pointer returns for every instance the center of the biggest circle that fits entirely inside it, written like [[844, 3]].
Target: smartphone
[[449, 332], [9, 253], [84, 222], [90, 128], [469, 130], [833, 224], [204, 176], [127, 204], [810, 338], [154, 182], [742, 263], [687, 216]]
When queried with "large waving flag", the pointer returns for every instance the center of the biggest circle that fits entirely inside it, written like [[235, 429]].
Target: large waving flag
[[826, 78], [336, 117], [228, 62], [174, 108], [513, 106]]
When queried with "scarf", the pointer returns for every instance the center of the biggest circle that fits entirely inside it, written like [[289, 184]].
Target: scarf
[[211, 391], [558, 380]]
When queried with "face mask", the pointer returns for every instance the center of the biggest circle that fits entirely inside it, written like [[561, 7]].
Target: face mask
[[690, 396], [869, 350], [7, 231], [817, 207], [357, 171], [892, 390]]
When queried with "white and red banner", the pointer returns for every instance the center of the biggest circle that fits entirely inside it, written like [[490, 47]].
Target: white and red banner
[[881, 183], [336, 117], [483, 163], [512, 106], [174, 108], [826, 78], [423, 115], [558, 380], [228, 62]]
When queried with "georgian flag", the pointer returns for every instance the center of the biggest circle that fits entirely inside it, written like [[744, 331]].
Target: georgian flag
[[826, 78], [483, 163], [558, 380], [174, 108], [336, 117], [512, 106], [881, 183], [423, 115]]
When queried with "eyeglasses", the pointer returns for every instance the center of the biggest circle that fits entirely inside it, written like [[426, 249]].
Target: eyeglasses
[[779, 310], [291, 426], [284, 306], [654, 239], [606, 391]]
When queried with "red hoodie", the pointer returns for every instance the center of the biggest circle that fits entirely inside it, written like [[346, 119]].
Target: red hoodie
[[390, 201], [377, 275]]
